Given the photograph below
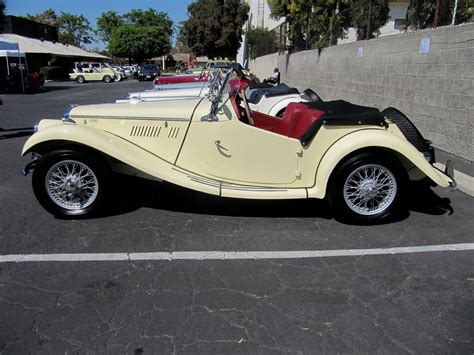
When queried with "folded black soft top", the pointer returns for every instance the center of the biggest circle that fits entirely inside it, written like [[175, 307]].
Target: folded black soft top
[[260, 86], [290, 91], [341, 113], [341, 108]]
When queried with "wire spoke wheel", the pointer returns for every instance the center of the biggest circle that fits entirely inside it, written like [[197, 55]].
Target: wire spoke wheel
[[71, 185], [370, 189]]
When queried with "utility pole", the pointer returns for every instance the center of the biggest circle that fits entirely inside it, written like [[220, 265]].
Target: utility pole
[[456, 3]]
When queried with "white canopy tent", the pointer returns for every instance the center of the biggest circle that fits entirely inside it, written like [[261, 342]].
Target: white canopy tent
[[37, 46], [12, 49]]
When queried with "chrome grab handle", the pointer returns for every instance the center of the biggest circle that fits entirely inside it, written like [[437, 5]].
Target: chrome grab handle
[[217, 142]]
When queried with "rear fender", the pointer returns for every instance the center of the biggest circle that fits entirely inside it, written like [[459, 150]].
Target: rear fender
[[379, 139]]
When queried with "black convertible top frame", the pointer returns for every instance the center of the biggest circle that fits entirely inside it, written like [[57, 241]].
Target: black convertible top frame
[[342, 113]]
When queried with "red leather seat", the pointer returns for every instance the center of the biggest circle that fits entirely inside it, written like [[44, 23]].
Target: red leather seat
[[297, 119], [305, 119], [290, 118]]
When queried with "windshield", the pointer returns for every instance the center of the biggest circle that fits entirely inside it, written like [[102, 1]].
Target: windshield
[[219, 91], [150, 67]]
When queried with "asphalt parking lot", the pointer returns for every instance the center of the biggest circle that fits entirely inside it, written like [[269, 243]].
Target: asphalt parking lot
[[172, 271]]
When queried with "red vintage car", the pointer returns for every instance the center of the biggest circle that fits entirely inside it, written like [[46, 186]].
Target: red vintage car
[[182, 78]]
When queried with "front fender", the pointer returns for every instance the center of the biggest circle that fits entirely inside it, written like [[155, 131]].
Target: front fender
[[378, 139], [120, 149]]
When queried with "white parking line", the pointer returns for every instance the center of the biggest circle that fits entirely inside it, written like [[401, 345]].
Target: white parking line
[[230, 255]]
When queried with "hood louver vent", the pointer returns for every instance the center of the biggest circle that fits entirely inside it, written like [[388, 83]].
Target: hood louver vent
[[173, 133], [152, 131]]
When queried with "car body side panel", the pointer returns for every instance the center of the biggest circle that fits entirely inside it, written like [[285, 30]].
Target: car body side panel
[[237, 153], [161, 137], [377, 139]]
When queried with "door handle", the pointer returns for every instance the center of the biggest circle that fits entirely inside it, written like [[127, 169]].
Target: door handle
[[217, 142]]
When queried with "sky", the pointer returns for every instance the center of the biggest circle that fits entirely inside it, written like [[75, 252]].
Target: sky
[[176, 9]]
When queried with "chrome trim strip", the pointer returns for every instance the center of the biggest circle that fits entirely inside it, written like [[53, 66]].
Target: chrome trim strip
[[252, 188], [133, 118], [217, 183]]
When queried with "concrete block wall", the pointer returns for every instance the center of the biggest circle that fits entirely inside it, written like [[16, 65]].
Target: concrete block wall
[[435, 89]]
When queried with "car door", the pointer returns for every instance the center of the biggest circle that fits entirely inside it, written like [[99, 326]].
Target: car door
[[241, 153], [231, 151]]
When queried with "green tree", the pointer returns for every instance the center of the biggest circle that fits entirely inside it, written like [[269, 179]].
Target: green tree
[[465, 11], [422, 13], [149, 17], [74, 29], [106, 22], [214, 27], [2, 15], [314, 23], [110, 20], [182, 39], [47, 17], [139, 42], [368, 16], [261, 41]]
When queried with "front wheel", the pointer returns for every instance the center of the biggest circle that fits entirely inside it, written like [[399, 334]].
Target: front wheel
[[80, 79], [107, 79], [68, 183], [367, 188]]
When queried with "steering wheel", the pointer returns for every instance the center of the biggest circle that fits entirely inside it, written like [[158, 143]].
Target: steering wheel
[[247, 108]]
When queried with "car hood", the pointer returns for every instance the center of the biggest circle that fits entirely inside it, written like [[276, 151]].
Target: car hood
[[169, 109]]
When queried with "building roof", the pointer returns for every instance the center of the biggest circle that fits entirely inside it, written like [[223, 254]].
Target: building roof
[[32, 45]]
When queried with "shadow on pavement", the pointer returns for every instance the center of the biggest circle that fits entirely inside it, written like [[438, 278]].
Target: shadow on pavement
[[424, 200], [163, 196], [143, 193], [15, 132]]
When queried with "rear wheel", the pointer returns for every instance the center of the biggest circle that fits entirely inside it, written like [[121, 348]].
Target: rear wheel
[[68, 183], [80, 79], [367, 188]]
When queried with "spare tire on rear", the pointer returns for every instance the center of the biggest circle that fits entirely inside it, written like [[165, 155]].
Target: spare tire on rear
[[312, 96], [409, 130]]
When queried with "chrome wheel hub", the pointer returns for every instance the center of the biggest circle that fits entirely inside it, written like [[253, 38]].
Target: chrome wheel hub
[[370, 189], [71, 185]]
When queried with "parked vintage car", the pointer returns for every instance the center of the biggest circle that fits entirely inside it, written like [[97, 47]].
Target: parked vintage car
[[187, 91], [92, 71], [159, 95], [357, 157], [181, 78], [148, 72], [120, 71], [273, 100]]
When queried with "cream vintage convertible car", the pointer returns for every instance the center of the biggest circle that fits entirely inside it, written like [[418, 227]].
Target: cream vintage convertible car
[[357, 157]]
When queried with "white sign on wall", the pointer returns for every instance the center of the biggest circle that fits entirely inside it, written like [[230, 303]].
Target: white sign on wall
[[425, 45]]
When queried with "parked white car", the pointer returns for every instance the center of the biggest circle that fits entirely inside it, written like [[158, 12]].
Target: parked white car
[[274, 100], [193, 92], [176, 94]]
